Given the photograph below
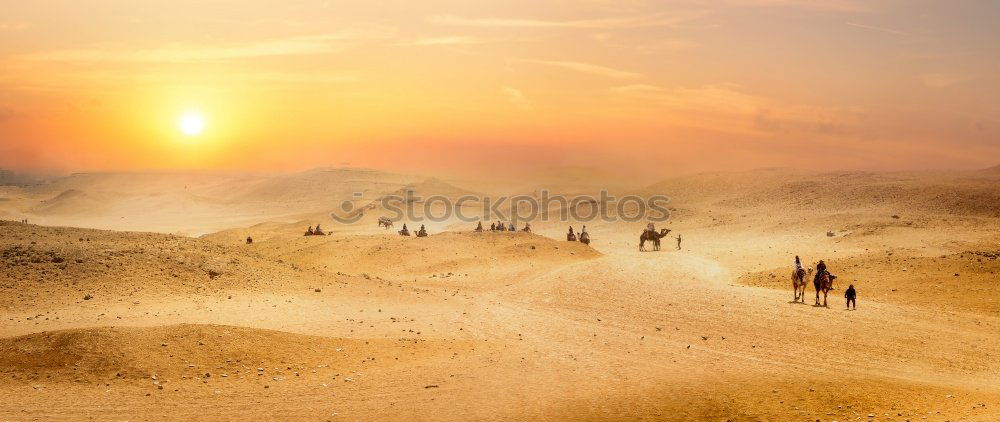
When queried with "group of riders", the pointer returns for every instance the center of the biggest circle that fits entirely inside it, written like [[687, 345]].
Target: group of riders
[[822, 272], [584, 236], [420, 233], [313, 232], [499, 226]]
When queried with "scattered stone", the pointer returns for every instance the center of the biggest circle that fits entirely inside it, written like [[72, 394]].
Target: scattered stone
[[88, 296]]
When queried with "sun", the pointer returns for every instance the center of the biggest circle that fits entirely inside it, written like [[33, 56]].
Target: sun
[[191, 123]]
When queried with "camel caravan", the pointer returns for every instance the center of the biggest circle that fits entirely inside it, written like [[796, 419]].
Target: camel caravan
[[822, 282], [650, 234], [499, 226]]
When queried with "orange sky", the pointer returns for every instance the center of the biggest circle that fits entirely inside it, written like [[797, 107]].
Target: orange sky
[[679, 85]]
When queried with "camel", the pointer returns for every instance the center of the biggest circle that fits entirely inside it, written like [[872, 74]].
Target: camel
[[799, 284], [571, 237], [585, 238], [825, 283], [652, 236], [384, 221]]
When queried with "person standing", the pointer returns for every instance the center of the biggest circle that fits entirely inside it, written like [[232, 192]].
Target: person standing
[[852, 297], [678, 242]]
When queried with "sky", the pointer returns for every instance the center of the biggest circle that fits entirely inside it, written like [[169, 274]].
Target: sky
[[633, 85]]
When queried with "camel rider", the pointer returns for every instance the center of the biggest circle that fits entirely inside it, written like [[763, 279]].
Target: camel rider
[[820, 270], [512, 227], [650, 228], [527, 227], [479, 227], [798, 267], [310, 231], [570, 229]]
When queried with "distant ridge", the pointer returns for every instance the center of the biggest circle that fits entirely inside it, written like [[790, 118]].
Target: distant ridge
[[10, 178]]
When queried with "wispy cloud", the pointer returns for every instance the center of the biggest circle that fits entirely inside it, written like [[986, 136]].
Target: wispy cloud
[[13, 26], [726, 107], [658, 19], [516, 98], [942, 80], [301, 45], [876, 28], [587, 68], [446, 40], [819, 5]]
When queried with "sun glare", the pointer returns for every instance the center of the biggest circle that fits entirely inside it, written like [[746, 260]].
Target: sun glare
[[191, 123]]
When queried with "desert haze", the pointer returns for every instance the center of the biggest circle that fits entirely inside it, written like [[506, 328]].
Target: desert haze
[[137, 296]]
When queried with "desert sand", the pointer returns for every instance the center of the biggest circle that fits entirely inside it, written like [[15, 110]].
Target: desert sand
[[135, 297]]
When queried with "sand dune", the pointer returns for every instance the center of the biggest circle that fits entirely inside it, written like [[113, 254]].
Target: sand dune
[[367, 324], [185, 351]]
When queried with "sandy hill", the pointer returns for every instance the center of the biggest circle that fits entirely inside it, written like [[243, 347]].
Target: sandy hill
[[468, 256], [955, 282], [955, 193], [194, 203], [10, 178], [992, 170], [58, 265], [71, 201], [162, 356], [321, 187]]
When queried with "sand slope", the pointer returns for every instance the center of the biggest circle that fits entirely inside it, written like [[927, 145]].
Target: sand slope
[[501, 326]]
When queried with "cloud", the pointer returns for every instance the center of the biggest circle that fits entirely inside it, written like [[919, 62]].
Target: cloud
[[942, 80], [659, 19], [638, 90], [820, 5], [516, 98], [587, 68], [725, 107], [13, 26], [876, 28], [301, 45], [446, 40]]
